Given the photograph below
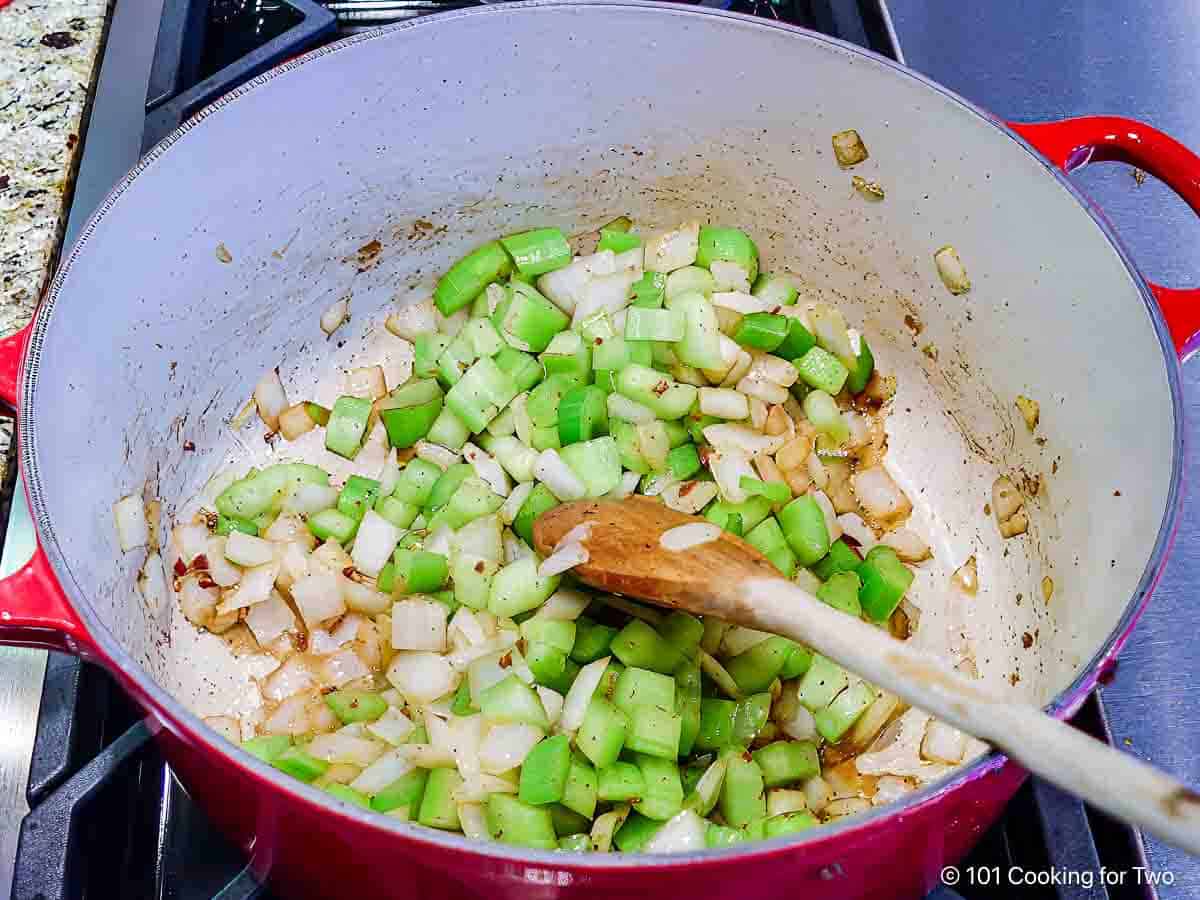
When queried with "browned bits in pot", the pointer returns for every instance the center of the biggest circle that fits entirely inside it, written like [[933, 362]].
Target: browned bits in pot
[[849, 148], [180, 567], [951, 270], [1030, 411], [1007, 504], [1047, 588], [869, 189], [1018, 524], [966, 577], [189, 446], [913, 324], [1027, 640], [223, 254]]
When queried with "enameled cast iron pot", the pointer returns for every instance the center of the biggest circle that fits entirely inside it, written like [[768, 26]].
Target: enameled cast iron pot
[[495, 119]]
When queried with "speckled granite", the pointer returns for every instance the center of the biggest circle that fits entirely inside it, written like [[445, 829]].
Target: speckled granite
[[48, 53]]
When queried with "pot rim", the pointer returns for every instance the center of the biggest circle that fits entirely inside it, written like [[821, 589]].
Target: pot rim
[[181, 720]]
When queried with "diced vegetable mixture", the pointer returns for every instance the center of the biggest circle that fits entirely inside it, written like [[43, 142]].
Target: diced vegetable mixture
[[433, 668]]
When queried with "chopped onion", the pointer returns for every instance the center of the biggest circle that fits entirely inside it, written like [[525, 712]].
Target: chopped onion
[[436, 454], [685, 831], [332, 318], [785, 800], [199, 604], [729, 355], [389, 474], [890, 788], [341, 747], [738, 639], [152, 584], [741, 439], [666, 251], [286, 529], [419, 624], [853, 525], [133, 530], [344, 630], [846, 806], [1006, 499], [374, 543], [1030, 410], [191, 541], [832, 525], [220, 570], [879, 495], [791, 716], [730, 276], [465, 623], [760, 388], [566, 604], [943, 743], [951, 270], [271, 618], [909, 545], [246, 550], [488, 469], [848, 148], [621, 407], [580, 694], [307, 499], [393, 726], [558, 477], [318, 596], [344, 666], [626, 486], [758, 414], [552, 702], [693, 534], [505, 747], [270, 399], [292, 677], [515, 548], [723, 403], [728, 468], [421, 676], [689, 496], [655, 484], [568, 557], [741, 302], [739, 369], [413, 319], [606, 825], [255, 587], [292, 716], [774, 369], [515, 500], [817, 471], [966, 577], [379, 774]]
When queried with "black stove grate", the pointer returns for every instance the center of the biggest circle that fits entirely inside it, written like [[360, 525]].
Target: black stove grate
[[108, 818]]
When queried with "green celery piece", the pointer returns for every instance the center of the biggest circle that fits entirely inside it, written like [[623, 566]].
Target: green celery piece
[[563, 681], [580, 792], [822, 411], [473, 499], [841, 592], [539, 251], [566, 820], [884, 580], [797, 663], [666, 398], [625, 435], [684, 461], [348, 795], [823, 681], [617, 241], [267, 747], [582, 414], [762, 331], [356, 706], [597, 463], [700, 345], [602, 734], [447, 485], [462, 705], [753, 510], [407, 790], [318, 413], [448, 430], [716, 724], [788, 823], [260, 492], [743, 796], [529, 318], [799, 341], [687, 704], [524, 369], [860, 372], [567, 354], [575, 843], [399, 513], [419, 571], [620, 783], [635, 832], [517, 588], [787, 762], [690, 279], [803, 525], [464, 280], [558, 633], [677, 433], [654, 731], [416, 482], [329, 524], [228, 524], [728, 245], [836, 719], [358, 495], [540, 500], [682, 631], [775, 289], [642, 324], [721, 836], [775, 491], [637, 644], [300, 765], [544, 771], [438, 807], [651, 290], [756, 668], [749, 718], [821, 370], [840, 558], [664, 789], [513, 701], [545, 399], [592, 640], [481, 393], [347, 426], [427, 350]]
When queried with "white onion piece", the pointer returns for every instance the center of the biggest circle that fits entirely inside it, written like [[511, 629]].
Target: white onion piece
[[794, 720], [342, 667], [832, 525], [483, 662], [465, 623], [621, 407], [784, 800], [292, 677], [693, 534], [739, 369], [689, 496], [220, 570], [666, 251], [427, 756], [730, 276], [846, 806], [419, 624], [580, 694], [473, 821], [951, 270], [290, 717], [889, 789], [515, 548], [730, 351], [332, 318], [363, 598], [374, 543], [366, 381], [255, 587], [605, 293], [412, 320], [393, 726], [379, 774], [565, 604], [506, 746], [307, 499], [563, 559], [270, 398], [389, 474], [552, 702], [226, 726], [345, 748], [758, 414], [723, 403], [853, 525], [742, 439], [190, 541], [439, 540], [318, 596], [626, 486], [737, 640], [271, 618], [515, 500], [152, 584], [452, 324], [773, 369], [728, 467], [133, 530], [685, 831], [740, 302], [323, 641], [817, 471], [198, 604], [879, 495], [655, 484], [761, 389], [817, 793], [558, 477], [421, 677], [247, 550], [564, 286], [488, 469], [436, 454], [287, 529], [909, 545], [943, 743]]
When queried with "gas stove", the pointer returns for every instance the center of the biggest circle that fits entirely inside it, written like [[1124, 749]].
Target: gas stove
[[107, 817]]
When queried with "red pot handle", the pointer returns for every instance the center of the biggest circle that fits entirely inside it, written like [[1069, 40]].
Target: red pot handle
[[34, 611], [1071, 143]]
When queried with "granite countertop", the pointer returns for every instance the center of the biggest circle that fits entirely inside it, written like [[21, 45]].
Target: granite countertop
[[48, 55]]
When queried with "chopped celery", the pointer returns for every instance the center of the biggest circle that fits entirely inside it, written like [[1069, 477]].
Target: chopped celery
[[716, 724], [690, 279], [666, 398], [318, 413], [567, 354], [472, 499], [544, 771], [448, 430], [860, 372], [620, 782], [798, 342], [654, 731], [602, 734], [358, 495], [407, 790], [797, 663], [821, 370], [719, 836], [512, 701], [743, 796], [597, 463], [786, 762], [539, 251], [582, 414], [575, 843], [427, 350], [480, 394], [517, 588], [641, 687], [803, 525], [762, 331], [347, 426], [752, 511], [884, 581], [643, 324], [684, 461], [300, 765], [841, 592], [260, 492], [700, 345], [840, 558], [580, 793], [419, 571], [823, 681], [637, 644], [540, 500], [348, 795], [835, 720], [592, 640], [635, 832], [687, 704], [465, 279], [775, 289], [267, 747], [749, 718], [447, 484], [227, 524], [416, 482], [650, 291], [727, 245], [788, 823], [356, 706], [664, 790], [756, 668], [329, 524], [617, 241], [775, 491], [513, 822], [565, 819]]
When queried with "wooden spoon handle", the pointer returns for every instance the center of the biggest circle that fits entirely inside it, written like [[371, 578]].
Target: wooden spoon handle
[[1116, 782]]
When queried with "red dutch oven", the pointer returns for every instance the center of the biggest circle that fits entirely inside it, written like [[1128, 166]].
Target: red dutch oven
[[205, 266]]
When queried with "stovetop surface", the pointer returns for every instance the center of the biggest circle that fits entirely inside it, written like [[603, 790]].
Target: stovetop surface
[[165, 848]]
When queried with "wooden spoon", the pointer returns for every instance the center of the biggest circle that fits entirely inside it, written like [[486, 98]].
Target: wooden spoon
[[729, 579]]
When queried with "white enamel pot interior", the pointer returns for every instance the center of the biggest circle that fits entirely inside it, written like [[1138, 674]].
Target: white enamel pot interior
[[492, 120]]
